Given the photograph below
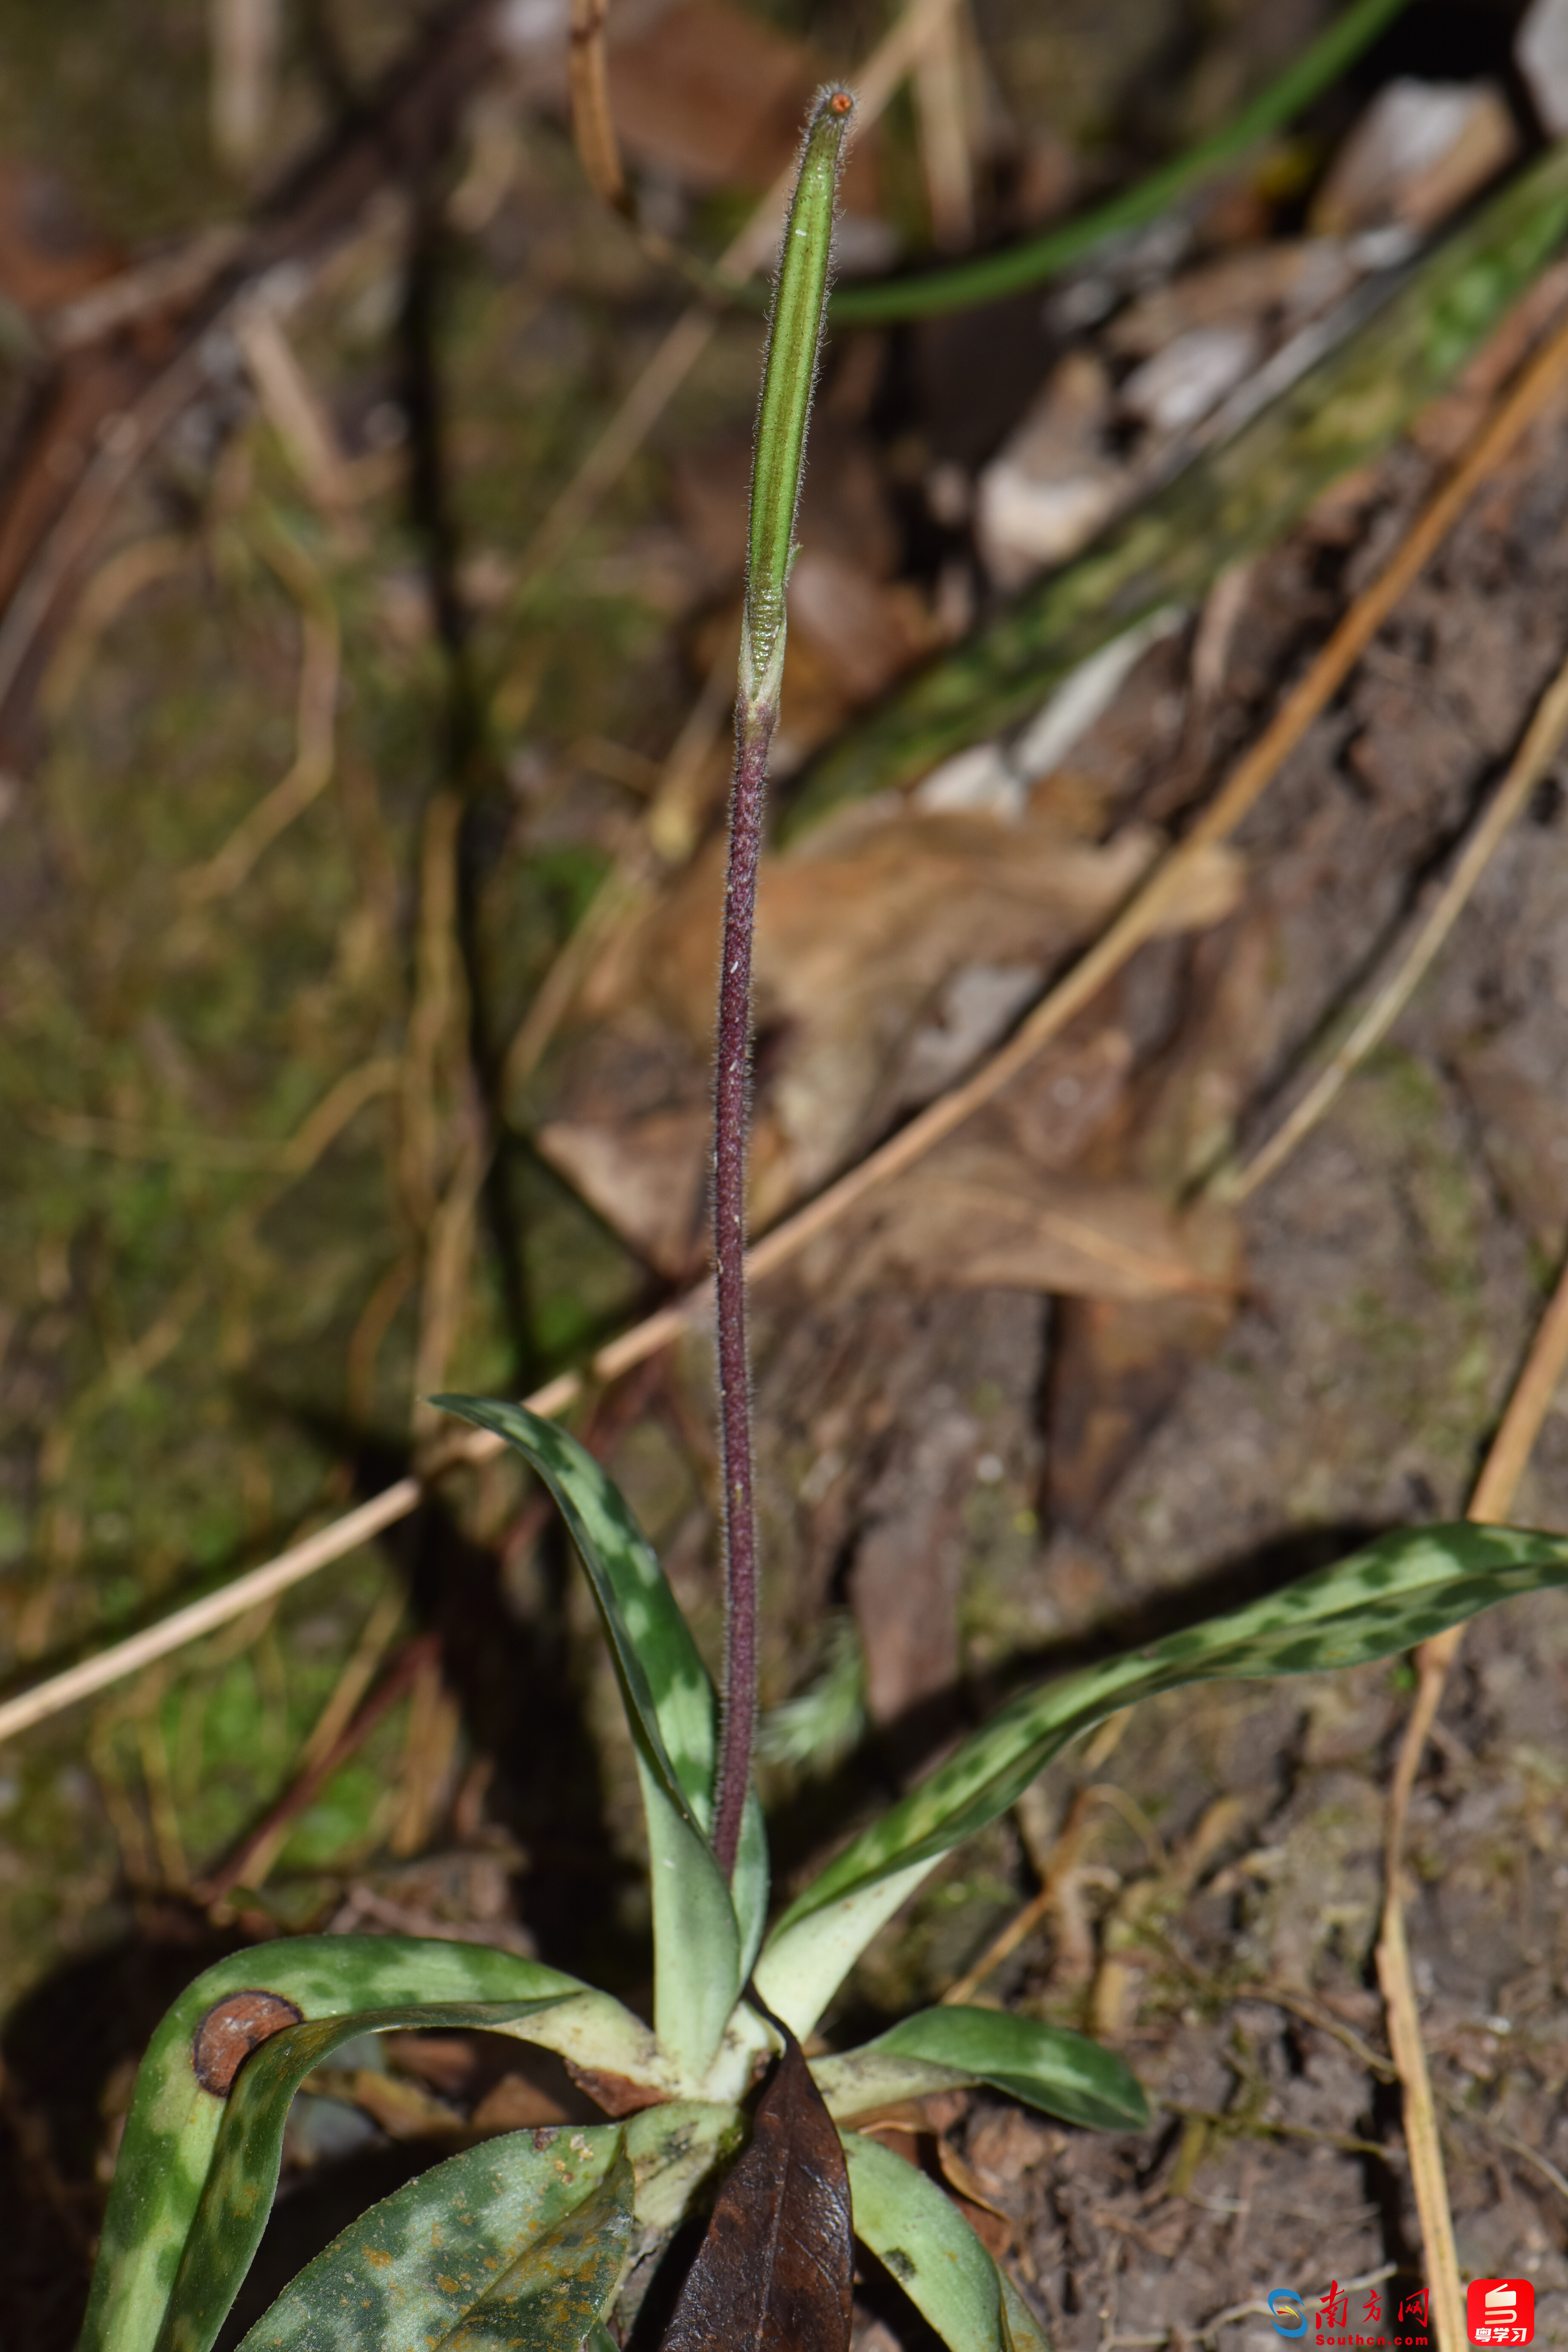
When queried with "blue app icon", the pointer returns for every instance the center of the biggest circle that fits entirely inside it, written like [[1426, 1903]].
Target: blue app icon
[[1287, 2312]]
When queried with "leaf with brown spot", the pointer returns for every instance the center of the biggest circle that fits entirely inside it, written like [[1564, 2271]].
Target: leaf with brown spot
[[776, 2270]]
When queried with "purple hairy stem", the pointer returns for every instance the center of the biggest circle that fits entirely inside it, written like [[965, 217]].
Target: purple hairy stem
[[732, 1122]]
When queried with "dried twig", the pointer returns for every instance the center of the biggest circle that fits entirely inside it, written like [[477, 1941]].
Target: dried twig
[[667, 834], [408, 118], [1022, 1926], [1492, 1500], [244, 43], [592, 128], [147, 290], [321, 675], [942, 113], [116, 583], [1542, 742], [299, 417], [253, 1857]]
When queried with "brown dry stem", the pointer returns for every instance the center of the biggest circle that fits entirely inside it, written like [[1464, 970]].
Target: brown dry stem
[[592, 127], [1542, 741], [1491, 1500]]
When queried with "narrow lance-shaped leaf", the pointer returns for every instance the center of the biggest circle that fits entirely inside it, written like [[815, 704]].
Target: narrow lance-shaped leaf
[[242, 2177], [923, 2239], [180, 2092], [775, 2272], [702, 1950], [1398, 1592], [482, 2239], [1060, 2073]]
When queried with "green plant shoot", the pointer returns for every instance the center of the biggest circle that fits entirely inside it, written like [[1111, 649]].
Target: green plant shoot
[[789, 377]]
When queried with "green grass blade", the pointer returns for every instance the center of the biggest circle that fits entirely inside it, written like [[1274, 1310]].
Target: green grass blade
[[921, 2236], [702, 1949], [172, 2131], [478, 2238], [1062, 2073], [1398, 1592], [1230, 503], [994, 276]]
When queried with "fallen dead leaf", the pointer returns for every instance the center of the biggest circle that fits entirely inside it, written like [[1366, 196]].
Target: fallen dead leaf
[[516, 2105], [1420, 151], [1055, 480], [905, 1580], [646, 1177], [974, 1216], [1279, 285], [776, 2270], [868, 630], [891, 954], [1005, 2143], [991, 2222], [710, 94]]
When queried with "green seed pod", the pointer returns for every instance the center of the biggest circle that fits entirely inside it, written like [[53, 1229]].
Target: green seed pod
[[795, 335]]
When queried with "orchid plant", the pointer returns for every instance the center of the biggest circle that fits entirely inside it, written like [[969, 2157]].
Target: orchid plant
[[547, 2239]]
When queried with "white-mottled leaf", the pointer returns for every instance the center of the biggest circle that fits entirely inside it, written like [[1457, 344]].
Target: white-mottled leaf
[[524, 2236], [1396, 1593], [704, 1941]]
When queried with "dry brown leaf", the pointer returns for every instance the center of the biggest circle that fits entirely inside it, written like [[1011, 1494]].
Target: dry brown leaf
[[775, 2272], [645, 1177], [991, 2222], [975, 1215], [1056, 479], [854, 944], [869, 631], [889, 961], [1418, 153], [708, 93], [514, 2104], [845, 508], [1287, 281], [402, 2109], [711, 95]]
